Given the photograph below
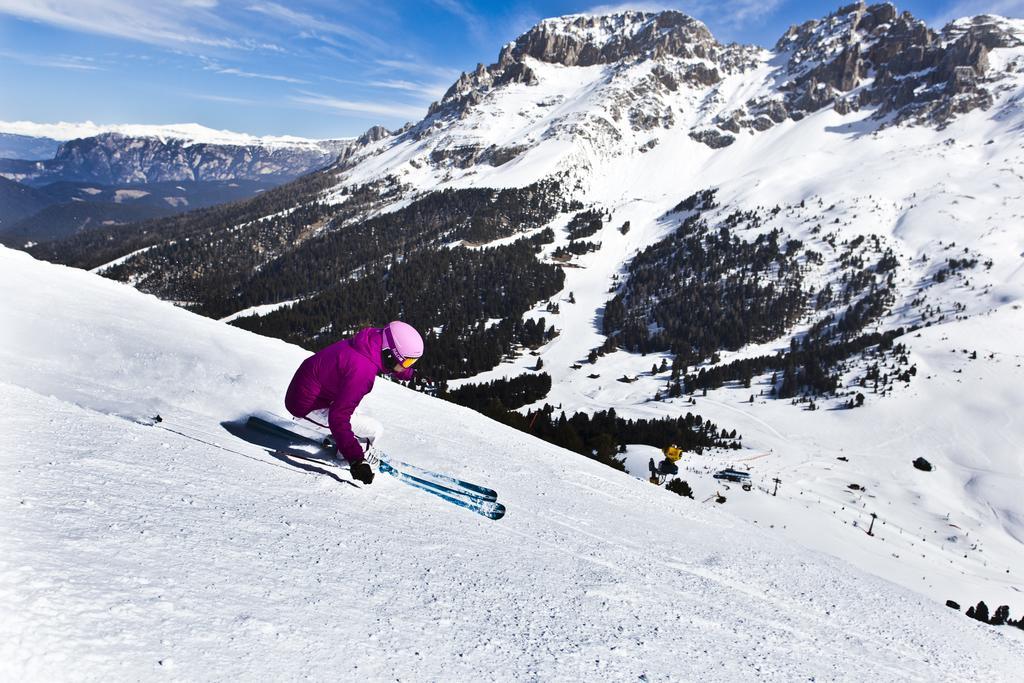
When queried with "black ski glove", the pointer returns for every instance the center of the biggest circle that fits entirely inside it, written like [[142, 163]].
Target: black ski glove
[[361, 471]]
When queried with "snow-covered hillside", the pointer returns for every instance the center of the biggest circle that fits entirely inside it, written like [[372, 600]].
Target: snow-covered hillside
[[132, 551]]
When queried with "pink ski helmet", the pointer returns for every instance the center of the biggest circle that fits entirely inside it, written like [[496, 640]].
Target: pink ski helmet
[[404, 342]]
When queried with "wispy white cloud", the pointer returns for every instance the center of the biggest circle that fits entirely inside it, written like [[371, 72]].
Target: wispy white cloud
[[316, 26], [393, 110], [53, 61], [158, 22], [476, 24], [970, 8], [742, 11], [233, 71], [427, 90], [227, 99], [441, 72]]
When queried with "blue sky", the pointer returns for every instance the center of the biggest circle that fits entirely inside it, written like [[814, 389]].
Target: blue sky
[[315, 68]]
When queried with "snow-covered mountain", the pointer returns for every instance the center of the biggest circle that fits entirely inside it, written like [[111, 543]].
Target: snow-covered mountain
[[185, 152], [134, 550], [860, 182], [189, 132], [112, 175], [616, 87]]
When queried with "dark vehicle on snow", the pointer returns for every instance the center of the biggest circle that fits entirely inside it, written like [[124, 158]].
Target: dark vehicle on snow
[[733, 475]]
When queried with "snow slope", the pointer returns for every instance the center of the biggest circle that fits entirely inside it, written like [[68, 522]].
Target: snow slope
[[131, 551]]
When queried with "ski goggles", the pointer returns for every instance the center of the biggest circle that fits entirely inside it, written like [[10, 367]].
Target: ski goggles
[[391, 359]]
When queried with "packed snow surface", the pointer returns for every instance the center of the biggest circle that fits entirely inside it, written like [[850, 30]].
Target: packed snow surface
[[133, 551]]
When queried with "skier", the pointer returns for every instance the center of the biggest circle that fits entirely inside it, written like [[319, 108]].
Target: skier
[[337, 378]]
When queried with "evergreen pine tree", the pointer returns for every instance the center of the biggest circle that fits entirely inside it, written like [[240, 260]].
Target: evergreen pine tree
[[980, 612], [680, 487]]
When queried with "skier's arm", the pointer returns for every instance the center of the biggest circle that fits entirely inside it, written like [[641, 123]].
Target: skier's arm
[[340, 420]]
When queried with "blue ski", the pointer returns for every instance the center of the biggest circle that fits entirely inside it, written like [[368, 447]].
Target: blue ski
[[442, 480], [488, 508], [272, 424]]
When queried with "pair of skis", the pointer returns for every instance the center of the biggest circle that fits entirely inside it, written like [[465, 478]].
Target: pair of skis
[[478, 499]]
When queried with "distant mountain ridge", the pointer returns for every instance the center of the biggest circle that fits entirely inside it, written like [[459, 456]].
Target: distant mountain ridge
[[121, 154], [576, 94], [131, 173], [192, 132], [115, 158]]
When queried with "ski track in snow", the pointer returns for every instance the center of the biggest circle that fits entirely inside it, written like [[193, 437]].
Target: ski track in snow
[[132, 552]]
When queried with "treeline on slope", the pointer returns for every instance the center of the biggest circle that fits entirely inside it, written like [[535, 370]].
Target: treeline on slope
[[585, 224], [603, 435], [813, 362], [511, 393], [575, 248], [472, 215], [980, 612], [700, 290], [600, 436], [451, 293], [225, 273], [809, 366], [96, 246]]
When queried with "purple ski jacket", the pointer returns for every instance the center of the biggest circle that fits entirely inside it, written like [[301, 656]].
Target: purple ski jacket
[[337, 378]]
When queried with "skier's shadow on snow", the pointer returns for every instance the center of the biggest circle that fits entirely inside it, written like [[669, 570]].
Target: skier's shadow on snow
[[282, 450]]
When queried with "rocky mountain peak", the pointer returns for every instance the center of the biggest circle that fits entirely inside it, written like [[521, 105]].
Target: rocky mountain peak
[[863, 56], [587, 40]]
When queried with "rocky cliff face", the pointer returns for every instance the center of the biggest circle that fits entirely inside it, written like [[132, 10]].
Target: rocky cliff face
[[861, 56], [617, 39], [865, 56], [871, 56], [589, 40]]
